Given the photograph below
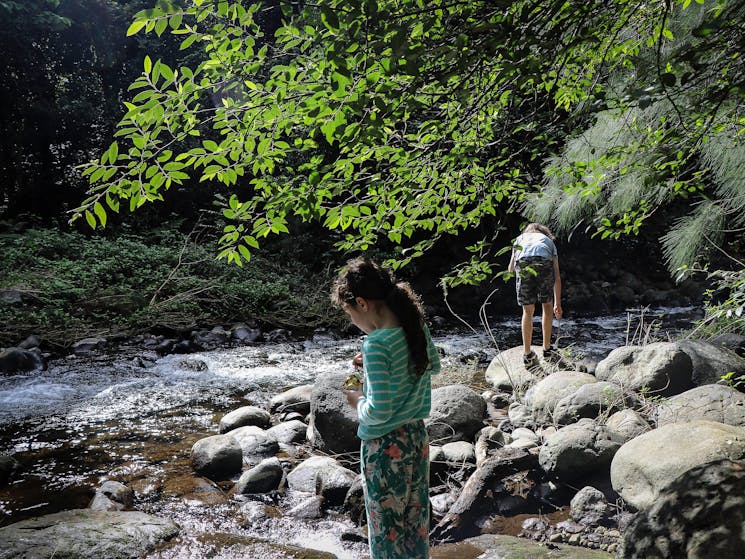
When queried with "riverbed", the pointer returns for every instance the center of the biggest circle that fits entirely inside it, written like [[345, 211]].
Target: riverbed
[[133, 416]]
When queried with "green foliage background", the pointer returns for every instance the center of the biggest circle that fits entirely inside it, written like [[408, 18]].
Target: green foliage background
[[75, 286]]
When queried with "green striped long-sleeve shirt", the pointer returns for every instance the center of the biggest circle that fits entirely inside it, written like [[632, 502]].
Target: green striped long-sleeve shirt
[[393, 394]]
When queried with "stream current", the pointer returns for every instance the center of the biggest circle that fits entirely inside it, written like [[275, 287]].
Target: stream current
[[133, 417]]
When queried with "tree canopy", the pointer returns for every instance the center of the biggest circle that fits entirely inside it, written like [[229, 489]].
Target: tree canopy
[[415, 120]]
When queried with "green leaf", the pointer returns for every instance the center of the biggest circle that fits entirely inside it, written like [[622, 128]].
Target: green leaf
[[100, 212], [135, 27], [147, 64], [90, 219]]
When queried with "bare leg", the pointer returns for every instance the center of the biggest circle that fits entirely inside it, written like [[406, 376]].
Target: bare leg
[[547, 323], [527, 327]]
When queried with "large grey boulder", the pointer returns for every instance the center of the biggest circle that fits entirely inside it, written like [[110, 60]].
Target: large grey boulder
[[255, 442], [711, 362], [322, 475], [243, 416], [217, 457], [457, 414], [545, 395], [712, 402], [577, 450], [333, 423], [700, 515], [295, 399], [262, 478], [660, 368], [289, 432], [85, 534], [507, 372], [645, 465], [592, 400]]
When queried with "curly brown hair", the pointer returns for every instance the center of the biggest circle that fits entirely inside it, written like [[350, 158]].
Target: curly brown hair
[[361, 277]]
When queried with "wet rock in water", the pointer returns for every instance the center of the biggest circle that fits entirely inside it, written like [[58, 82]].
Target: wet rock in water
[[243, 416], [308, 509], [113, 495], [194, 365], [164, 347], [254, 512], [662, 368], [289, 432], [217, 457], [700, 515], [295, 399], [324, 476], [712, 402], [185, 346], [194, 489], [333, 424], [278, 335], [8, 467], [457, 414], [266, 476], [210, 338], [88, 345], [711, 362], [246, 334], [645, 465], [15, 359], [590, 507], [577, 450], [255, 442], [86, 534]]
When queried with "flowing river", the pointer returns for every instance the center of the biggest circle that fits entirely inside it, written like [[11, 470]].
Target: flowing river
[[133, 417]]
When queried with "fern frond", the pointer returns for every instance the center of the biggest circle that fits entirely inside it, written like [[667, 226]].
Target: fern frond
[[693, 235], [724, 154]]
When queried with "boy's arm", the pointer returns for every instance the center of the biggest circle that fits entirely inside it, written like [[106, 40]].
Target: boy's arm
[[558, 311], [511, 267]]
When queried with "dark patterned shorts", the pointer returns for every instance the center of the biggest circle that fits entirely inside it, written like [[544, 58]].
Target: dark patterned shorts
[[535, 280]]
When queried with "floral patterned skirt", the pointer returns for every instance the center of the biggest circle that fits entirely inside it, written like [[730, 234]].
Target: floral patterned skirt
[[395, 468]]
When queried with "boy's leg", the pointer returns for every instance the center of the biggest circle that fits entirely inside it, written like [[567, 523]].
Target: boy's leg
[[527, 327], [547, 322]]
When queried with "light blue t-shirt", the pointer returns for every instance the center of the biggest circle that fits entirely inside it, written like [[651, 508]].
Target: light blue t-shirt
[[534, 244], [393, 394]]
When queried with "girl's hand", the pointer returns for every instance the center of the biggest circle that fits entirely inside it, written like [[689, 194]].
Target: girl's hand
[[352, 397], [357, 361]]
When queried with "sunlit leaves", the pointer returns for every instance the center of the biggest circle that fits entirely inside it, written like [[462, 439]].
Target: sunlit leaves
[[410, 121]]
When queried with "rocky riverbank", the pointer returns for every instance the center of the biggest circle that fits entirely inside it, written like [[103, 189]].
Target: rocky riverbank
[[577, 456]]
